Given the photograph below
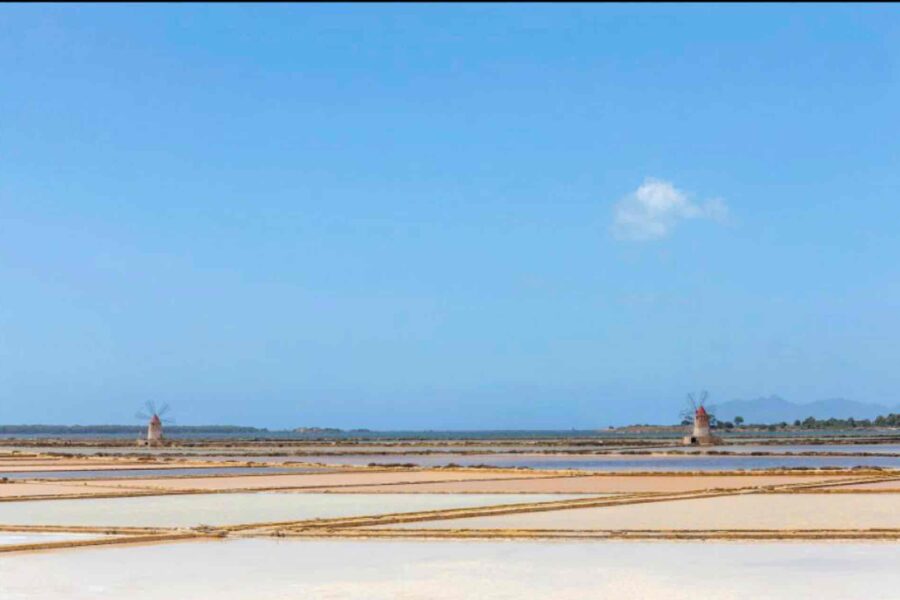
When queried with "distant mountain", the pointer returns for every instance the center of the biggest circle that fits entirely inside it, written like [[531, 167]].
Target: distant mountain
[[775, 409]]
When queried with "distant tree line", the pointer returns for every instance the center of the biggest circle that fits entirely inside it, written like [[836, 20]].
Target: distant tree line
[[891, 420]]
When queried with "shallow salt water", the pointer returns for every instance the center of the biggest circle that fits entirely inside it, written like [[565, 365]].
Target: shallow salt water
[[266, 569], [231, 509], [796, 448], [758, 511], [145, 473], [686, 462], [8, 538]]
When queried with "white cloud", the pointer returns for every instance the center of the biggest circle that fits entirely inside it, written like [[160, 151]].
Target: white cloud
[[656, 207]]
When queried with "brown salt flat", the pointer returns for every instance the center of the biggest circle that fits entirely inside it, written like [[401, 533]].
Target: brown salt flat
[[591, 484], [31, 461], [893, 485], [30, 490], [98, 466], [745, 512], [354, 478], [50, 461]]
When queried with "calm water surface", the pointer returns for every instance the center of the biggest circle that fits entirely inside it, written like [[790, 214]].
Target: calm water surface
[[267, 569], [229, 509], [147, 473], [688, 462]]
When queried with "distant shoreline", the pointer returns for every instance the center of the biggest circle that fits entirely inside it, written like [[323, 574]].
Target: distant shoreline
[[123, 429], [610, 433]]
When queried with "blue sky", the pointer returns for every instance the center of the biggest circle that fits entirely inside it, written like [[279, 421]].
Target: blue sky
[[428, 216]]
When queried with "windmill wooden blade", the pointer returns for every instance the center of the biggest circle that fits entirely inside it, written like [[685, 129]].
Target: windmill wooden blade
[[692, 402]]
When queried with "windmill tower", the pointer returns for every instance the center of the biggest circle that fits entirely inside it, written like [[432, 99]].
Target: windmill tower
[[154, 420], [701, 434], [154, 431], [701, 424]]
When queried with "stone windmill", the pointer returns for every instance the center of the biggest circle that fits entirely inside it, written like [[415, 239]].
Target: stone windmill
[[701, 434], [154, 419]]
